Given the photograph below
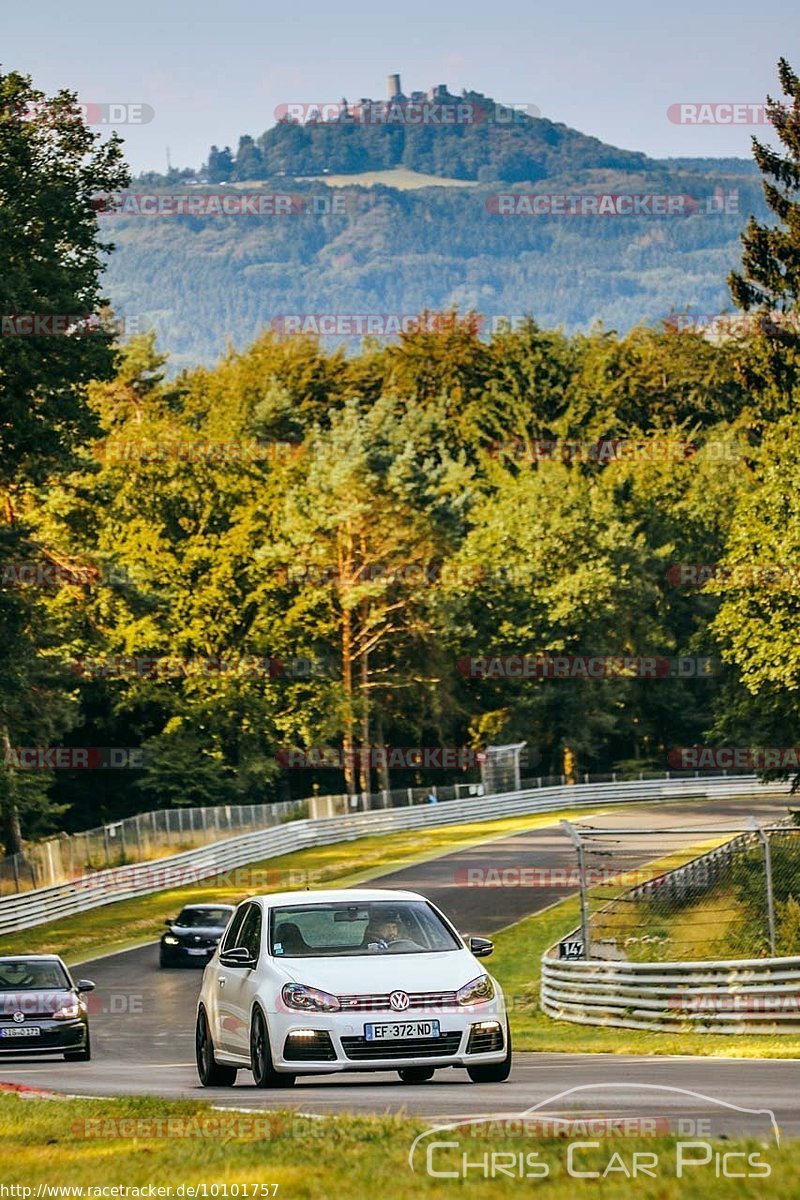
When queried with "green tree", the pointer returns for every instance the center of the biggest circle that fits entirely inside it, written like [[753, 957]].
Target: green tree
[[51, 167], [769, 282]]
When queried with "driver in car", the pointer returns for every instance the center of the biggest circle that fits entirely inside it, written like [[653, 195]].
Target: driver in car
[[387, 932]]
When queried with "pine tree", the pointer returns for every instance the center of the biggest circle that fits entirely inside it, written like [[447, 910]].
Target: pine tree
[[769, 282]]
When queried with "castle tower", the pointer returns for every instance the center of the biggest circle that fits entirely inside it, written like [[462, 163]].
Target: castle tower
[[393, 87]]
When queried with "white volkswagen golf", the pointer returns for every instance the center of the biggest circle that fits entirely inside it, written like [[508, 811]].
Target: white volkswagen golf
[[351, 980]]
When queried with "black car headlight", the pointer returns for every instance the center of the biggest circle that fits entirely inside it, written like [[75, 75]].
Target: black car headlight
[[69, 1011]]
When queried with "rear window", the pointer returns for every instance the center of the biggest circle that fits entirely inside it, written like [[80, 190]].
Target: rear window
[[375, 927], [28, 975]]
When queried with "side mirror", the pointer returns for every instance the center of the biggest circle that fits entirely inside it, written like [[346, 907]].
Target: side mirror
[[169, 921], [84, 985], [481, 947], [237, 956]]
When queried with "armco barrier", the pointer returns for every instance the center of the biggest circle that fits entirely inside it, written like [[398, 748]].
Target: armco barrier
[[747, 995], [140, 879]]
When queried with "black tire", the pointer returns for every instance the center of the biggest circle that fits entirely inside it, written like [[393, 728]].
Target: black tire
[[210, 1072], [264, 1073], [163, 958], [82, 1055], [493, 1072], [415, 1074]]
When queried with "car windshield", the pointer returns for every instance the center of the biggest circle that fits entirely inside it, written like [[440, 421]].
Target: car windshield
[[28, 975], [194, 918], [369, 928]]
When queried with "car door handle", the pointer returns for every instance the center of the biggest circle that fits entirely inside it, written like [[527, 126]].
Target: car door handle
[[221, 980]]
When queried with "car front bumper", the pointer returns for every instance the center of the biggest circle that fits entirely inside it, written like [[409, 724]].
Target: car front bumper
[[185, 955], [322, 1042], [53, 1038]]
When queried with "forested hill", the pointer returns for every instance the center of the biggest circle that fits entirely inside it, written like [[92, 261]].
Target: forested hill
[[470, 137], [425, 233]]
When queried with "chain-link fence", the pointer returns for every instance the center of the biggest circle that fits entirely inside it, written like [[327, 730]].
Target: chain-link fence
[[147, 836], [156, 834], [689, 894]]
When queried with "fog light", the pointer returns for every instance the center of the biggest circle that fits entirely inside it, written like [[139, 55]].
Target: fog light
[[486, 1025], [304, 1033]]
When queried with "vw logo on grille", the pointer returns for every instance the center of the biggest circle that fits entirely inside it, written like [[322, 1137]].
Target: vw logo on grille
[[399, 1001], [19, 1017]]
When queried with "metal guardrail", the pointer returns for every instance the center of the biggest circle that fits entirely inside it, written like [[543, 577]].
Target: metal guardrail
[[160, 833], [744, 995], [18, 912]]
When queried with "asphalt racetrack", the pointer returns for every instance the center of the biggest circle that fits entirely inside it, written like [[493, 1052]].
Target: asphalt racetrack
[[143, 1017]]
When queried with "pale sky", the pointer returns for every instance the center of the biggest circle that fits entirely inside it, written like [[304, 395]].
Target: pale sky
[[213, 71]]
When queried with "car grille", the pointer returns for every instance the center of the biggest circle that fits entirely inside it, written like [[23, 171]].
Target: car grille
[[7, 1019], [379, 1001], [196, 943], [316, 1049], [358, 1048], [482, 1041]]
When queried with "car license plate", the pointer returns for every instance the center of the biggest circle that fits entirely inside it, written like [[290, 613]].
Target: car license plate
[[401, 1029], [21, 1031], [201, 951]]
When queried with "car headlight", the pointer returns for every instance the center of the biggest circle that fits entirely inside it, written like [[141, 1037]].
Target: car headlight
[[477, 991], [309, 999], [170, 940], [68, 1012]]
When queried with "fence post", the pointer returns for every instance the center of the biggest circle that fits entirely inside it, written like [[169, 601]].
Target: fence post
[[577, 842], [768, 874]]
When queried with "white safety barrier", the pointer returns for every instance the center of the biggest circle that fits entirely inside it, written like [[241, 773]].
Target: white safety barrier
[[747, 995], [220, 858]]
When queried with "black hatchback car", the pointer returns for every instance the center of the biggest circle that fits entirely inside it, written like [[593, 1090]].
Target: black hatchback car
[[42, 1010], [193, 936]]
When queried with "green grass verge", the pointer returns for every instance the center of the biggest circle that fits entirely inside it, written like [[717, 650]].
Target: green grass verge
[[516, 963], [127, 923], [45, 1142]]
